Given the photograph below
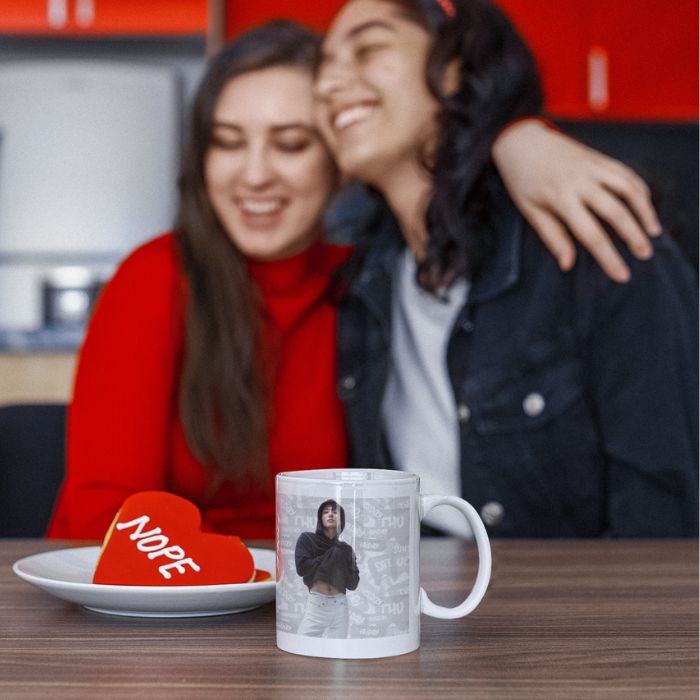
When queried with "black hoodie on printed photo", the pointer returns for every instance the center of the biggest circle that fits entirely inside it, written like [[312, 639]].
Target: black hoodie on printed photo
[[319, 558]]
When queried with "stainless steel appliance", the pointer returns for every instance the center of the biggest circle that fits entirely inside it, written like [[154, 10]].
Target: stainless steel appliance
[[88, 166]]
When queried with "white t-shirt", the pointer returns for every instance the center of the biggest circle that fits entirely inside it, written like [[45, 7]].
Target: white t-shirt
[[419, 411]]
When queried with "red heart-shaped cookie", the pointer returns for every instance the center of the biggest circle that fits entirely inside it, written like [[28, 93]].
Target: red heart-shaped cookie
[[156, 540]]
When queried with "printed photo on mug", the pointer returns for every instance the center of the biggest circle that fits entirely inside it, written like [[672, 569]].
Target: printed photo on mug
[[346, 567], [328, 568]]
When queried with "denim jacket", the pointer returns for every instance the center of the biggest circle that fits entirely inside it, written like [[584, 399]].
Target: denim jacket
[[576, 396]]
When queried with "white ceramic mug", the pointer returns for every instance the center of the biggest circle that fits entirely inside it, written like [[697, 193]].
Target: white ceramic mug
[[348, 562]]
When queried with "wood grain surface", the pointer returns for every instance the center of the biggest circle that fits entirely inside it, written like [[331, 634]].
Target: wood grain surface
[[562, 619]]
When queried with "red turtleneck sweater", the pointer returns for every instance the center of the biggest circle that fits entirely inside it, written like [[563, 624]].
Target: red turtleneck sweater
[[124, 431]]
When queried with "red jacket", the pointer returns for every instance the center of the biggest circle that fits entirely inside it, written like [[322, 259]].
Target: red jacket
[[124, 431]]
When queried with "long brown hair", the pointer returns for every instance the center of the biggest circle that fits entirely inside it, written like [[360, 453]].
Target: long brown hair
[[222, 401]]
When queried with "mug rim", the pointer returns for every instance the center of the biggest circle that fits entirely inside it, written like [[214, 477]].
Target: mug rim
[[321, 476]]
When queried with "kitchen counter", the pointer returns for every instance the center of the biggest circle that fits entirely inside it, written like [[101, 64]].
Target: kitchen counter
[[36, 377]]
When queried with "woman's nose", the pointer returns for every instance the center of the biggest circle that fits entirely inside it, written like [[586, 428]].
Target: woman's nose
[[331, 79], [257, 168]]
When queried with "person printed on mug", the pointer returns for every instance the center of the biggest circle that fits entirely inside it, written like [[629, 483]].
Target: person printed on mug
[[329, 569]]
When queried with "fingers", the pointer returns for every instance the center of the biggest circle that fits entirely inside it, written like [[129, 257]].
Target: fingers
[[553, 234], [590, 233], [561, 186], [616, 213], [625, 183]]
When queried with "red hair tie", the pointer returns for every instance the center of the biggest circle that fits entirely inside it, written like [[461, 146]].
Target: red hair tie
[[447, 7]]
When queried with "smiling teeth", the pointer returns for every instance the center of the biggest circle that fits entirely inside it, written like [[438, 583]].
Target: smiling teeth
[[261, 207], [352, 115]]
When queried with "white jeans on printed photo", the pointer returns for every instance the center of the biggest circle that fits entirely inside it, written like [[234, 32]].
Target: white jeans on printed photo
[[325, 616]]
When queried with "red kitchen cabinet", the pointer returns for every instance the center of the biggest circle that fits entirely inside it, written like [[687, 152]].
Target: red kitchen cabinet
[[31, 16], [555, 33], [103, 17], [614, 59], [649, 49], [599, 59], [243, 14]]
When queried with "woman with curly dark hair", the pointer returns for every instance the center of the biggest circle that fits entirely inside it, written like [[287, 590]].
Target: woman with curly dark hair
[[562, 404]]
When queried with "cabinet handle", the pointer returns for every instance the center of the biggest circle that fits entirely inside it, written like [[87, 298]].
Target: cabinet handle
[[57, 13], [85, 12], [598, 79]]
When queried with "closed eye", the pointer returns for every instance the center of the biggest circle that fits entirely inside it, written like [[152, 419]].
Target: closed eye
[[226, 144], [223, 136], [293, 146], [366, 50]]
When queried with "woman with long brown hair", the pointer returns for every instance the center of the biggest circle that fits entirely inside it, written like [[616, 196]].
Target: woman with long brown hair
[[209, 363]]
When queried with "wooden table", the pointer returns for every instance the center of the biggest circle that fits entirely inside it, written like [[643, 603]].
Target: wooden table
[[562, 619]]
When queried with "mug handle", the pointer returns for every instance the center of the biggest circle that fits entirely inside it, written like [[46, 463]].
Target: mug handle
[[483, 575]]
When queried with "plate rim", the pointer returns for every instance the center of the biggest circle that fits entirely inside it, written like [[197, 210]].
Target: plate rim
[[124, 589]]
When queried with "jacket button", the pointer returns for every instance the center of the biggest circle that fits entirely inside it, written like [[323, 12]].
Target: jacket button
[[468, 326], [463, 413], [348, 382], [492, 513], [533, 404]]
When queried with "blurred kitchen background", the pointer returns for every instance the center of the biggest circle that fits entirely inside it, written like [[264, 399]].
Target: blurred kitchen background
[[93, 95]]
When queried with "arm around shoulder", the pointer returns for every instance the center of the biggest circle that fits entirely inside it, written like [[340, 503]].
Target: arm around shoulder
[[559, 184]]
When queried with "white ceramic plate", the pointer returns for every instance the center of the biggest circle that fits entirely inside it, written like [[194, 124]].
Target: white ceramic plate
[[67, 574]]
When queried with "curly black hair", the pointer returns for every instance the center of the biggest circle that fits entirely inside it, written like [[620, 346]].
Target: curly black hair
[[498, 83]]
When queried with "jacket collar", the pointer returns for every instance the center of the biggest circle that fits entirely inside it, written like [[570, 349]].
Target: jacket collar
[[502, 272], [373, 283]]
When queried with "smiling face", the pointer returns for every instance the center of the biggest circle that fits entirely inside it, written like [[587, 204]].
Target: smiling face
[[268, 174], [372, 101]]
